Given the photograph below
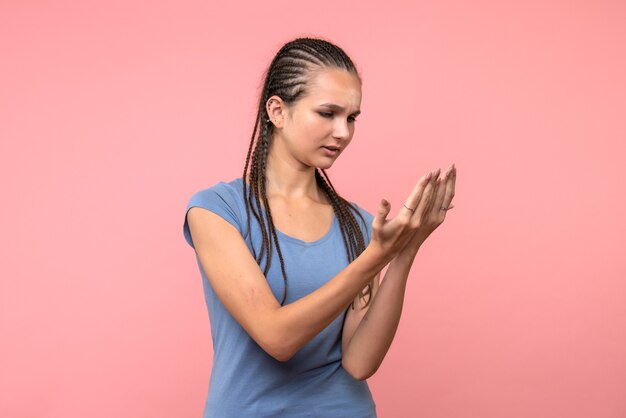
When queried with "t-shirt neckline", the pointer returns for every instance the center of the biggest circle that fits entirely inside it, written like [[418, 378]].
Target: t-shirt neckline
[[289, 238]]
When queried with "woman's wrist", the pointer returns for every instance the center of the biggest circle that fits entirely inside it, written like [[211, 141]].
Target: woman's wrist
[[374, 259], [407, 255]]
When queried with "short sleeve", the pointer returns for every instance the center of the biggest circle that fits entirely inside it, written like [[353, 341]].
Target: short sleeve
[[367, 228], [219, 199]]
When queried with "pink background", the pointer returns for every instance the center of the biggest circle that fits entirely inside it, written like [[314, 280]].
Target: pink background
[[112, 114]]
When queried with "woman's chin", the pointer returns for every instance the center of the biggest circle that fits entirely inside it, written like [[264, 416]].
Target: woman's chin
[[325, 165]]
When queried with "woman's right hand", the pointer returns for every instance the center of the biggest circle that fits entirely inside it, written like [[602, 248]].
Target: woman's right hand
[[389, 236]]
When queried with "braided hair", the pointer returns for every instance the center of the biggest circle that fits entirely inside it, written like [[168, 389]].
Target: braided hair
[[287, 77]]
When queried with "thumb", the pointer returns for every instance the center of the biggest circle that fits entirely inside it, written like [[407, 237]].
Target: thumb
[[381, 214]]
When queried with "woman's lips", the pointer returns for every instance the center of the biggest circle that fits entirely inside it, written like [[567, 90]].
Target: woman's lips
[[330, 152]]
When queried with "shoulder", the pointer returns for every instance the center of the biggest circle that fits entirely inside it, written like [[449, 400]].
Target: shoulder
[[365, 219], [224, 198], [362, 210], [227, 191]]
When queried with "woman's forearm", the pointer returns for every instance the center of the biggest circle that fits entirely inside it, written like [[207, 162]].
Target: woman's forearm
[[298, 322], [372, 338]]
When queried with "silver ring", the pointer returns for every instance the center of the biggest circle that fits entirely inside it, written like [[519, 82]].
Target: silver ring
[[412, 210], [444, 208]]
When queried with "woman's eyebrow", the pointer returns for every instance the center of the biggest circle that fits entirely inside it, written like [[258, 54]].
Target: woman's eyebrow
[[337, 107]]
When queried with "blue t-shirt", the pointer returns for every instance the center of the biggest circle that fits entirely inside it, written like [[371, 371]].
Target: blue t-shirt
[[245, 380]]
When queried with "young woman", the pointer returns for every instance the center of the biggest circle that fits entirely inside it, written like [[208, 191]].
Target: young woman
[[291, 269]]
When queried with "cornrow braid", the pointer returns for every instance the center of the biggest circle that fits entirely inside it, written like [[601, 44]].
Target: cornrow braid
[[288, 77], [356, 244], [271, 222]]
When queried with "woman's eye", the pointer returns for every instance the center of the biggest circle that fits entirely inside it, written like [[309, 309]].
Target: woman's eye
[[351, 119]]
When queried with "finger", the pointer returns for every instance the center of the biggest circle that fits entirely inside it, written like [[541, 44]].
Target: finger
[[440, 192], [381, 214], [425, 199], [433, 194], [433, 198], [416, 193], [450, 185]]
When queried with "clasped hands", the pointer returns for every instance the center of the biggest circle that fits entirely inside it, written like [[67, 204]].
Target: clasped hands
[[423, 211]]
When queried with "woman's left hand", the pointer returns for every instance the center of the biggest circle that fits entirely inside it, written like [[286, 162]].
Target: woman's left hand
[[434, 215]]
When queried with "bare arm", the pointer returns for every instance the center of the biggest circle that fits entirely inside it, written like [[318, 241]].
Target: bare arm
[[354, 317], [241, 286], [365, 349], [372, 338]]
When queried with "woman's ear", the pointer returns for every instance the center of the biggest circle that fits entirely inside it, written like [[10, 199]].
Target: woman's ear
[[276, 110]]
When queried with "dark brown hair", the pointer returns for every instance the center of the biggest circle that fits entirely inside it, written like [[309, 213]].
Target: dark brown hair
[[288, 77]]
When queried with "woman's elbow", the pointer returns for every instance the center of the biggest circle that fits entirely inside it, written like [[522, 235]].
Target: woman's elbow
[[357, 373], [279, 354], [276, 347]]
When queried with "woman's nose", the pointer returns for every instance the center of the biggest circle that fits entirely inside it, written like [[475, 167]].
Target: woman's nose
[[342, 130]]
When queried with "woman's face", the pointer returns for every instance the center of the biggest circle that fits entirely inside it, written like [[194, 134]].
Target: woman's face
[[323, 119]]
